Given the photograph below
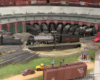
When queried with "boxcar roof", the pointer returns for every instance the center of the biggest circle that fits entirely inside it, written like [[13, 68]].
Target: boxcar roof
[[67, 65]]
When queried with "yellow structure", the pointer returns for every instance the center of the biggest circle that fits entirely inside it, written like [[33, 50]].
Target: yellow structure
[[41, 67]]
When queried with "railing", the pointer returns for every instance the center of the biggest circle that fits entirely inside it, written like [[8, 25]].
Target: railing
[[50, 16]]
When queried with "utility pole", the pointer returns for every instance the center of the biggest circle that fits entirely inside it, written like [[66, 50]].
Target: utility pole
[[54, 34]]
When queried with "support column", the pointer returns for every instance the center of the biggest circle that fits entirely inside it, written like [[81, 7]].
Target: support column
[[15, 27], [80, 23], [88, 24], [72, 22], [23, 24], [86, 57], [82, 56], [96, 26], [39, 22], [8, 27], [0, 27], [31, 22]]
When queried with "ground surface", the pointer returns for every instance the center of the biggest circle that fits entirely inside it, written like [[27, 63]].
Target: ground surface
[[39, 73], [20, 77], [90, 65], [88, 44]]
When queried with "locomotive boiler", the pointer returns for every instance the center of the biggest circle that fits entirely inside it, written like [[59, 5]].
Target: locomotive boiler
[[59, 28], [66, 29]]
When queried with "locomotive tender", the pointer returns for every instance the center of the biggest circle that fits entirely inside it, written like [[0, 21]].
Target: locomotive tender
[[65, 72], [9, 40], [51, 2]]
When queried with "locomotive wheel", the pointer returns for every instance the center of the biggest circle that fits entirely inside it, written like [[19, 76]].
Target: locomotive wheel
[[42, 42], [36, 43]]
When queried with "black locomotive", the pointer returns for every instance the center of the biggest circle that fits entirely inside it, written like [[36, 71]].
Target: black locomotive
[[9, 40], [33, 29], [47, 39]]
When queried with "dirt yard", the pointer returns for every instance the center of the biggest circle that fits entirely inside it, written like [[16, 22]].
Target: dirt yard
[[20, 77], [90, 65]]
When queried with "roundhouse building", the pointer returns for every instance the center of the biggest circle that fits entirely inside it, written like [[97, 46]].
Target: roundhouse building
[[18, 17]]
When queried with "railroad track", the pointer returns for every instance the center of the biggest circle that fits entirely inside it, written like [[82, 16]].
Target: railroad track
[[7, 56], [88, 77], [17, 57]]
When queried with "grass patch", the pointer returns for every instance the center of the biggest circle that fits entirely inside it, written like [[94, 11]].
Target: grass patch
[[10, 70], [90, 70], [92, 54]]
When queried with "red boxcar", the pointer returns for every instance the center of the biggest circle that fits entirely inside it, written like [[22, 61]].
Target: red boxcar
[[54, 1], [65, 72], [22, 3], [41, 1], [6, 3], [38, 1]]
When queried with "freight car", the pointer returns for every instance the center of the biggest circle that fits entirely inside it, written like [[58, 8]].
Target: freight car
[[48, 39], [9, 40], [65, 72], [95, 3]]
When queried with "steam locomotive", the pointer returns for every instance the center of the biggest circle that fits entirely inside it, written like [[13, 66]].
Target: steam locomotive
[[48, 39], [33, 29], [83, 31], [51, 2], [9, 40]]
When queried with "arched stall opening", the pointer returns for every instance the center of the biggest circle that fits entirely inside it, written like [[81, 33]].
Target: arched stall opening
[[66, 28], [93, 30], [28, 27], [73, 29], [59, 28], [76, 25], [36, 28], [44, 27], [4, 27], [52, 26], [12, 28], [98, 29], [19, 27]]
